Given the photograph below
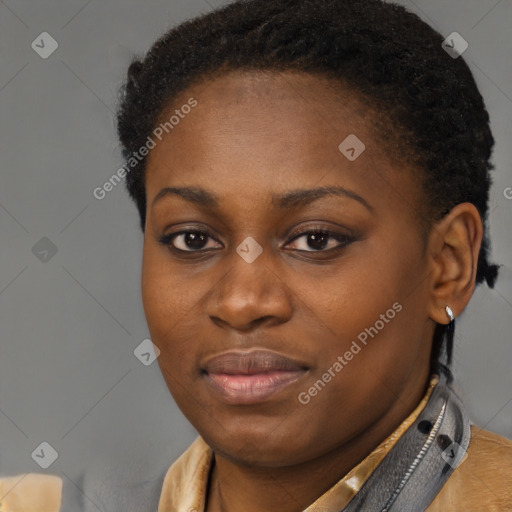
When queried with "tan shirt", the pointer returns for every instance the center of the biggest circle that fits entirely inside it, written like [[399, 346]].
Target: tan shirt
[[482, 482], [30, 492]]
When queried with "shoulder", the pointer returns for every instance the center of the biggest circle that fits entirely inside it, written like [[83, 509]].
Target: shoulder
[[483, 481], [485, 440]]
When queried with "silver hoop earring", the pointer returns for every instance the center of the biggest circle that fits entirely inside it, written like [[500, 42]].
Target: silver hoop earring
[[450, 314]]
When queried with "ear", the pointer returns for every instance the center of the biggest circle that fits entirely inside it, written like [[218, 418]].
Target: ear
[[453, 248]]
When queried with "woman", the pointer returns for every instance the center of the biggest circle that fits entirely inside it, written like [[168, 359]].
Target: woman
[[312, 181]]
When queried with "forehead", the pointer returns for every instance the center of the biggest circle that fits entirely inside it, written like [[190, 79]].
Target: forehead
[[253, 133], [263, 103]]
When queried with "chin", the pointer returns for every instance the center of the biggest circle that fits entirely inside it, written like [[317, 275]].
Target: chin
[[259, 447]]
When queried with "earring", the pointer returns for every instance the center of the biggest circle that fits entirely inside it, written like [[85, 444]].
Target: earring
[[450, 314]]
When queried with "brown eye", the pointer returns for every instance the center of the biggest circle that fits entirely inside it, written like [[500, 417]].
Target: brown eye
[[321, 240], [187, 241]]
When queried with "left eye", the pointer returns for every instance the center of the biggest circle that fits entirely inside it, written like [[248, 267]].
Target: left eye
[[319, 239]]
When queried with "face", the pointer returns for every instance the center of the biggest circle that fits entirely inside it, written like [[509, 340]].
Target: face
[[289, 321]]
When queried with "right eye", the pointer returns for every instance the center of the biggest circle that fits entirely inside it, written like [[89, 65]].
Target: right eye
[[191, 240]]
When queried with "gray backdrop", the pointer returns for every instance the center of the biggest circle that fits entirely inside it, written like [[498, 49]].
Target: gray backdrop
[[70, 309]]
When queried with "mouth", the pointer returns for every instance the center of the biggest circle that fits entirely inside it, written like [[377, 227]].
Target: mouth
[[239, 377]]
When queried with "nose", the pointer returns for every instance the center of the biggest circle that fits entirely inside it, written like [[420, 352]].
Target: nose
[[249, 295]]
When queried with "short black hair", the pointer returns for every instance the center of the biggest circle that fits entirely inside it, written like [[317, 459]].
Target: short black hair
[[426, 101]]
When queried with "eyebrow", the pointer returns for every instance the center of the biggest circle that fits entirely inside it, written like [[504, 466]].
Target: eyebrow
[[287, 200]]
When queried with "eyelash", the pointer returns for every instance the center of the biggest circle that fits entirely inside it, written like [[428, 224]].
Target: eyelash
[[344, 240]]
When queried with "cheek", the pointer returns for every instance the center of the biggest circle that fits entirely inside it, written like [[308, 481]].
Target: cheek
[[163, 293], [378, 273], [171, 305], [376, 300], [155, 296], [163, 305]]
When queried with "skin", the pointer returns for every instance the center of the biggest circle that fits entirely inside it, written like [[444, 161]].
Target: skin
[[254, 134]]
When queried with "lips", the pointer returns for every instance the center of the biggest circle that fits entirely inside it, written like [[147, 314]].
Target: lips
[[239, 377], [250, 363]]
